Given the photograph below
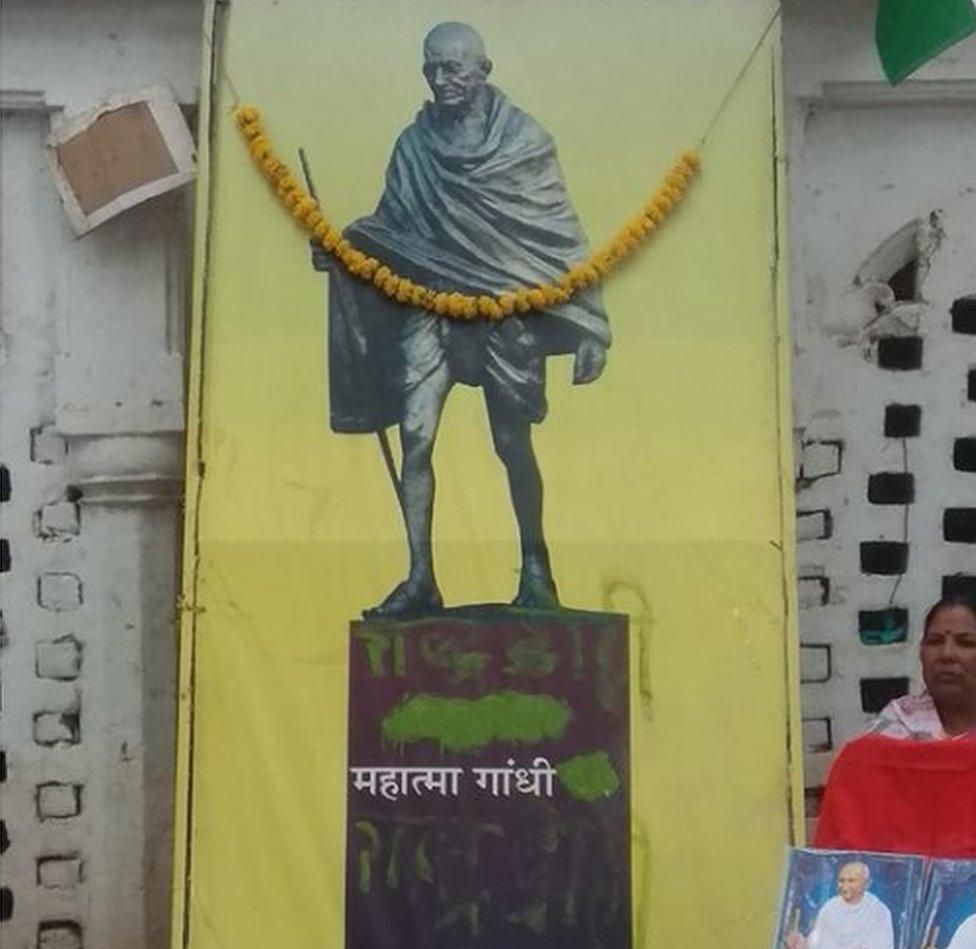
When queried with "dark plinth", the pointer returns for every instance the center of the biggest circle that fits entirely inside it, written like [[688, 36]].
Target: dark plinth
[[479, 687]]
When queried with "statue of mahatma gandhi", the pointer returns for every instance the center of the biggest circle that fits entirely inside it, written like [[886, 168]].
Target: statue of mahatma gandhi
[[474, 201]]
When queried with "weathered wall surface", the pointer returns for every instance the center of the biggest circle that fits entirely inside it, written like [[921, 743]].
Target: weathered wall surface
[[92, 421], [882, 209]]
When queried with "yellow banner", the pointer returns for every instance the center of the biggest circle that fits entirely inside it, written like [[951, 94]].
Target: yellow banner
[[660, 564]]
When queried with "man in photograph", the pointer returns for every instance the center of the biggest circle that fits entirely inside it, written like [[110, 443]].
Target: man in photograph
[[854, 919]]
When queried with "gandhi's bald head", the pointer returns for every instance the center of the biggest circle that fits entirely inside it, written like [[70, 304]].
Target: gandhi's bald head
[[451, 32], [455, 65], [852, 880]]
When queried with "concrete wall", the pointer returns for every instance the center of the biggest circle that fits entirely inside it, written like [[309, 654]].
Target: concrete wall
[[91, 449], [882, 224]]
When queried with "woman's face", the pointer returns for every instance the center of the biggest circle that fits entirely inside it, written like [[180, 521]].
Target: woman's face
[[948, 654]]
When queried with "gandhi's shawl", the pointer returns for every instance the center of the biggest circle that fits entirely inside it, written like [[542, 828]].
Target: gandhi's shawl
[[481, 218]]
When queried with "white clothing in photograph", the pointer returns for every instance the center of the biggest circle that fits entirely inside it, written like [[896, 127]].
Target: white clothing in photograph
[[965, 937], [862, 925]]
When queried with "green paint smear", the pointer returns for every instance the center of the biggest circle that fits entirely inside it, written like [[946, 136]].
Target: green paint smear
[[589, 777], [458, 724]]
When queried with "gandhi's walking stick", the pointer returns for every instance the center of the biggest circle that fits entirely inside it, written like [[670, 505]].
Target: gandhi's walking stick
[[380, 432]]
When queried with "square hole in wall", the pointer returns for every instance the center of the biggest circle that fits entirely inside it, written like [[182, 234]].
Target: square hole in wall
[[971, 385], [814, 525], [877, 693], [964, 454], [902, 421], [959, 584], [4, 483], [964, 315], [959, 525], [882, 627], [813, 590], [816, 663], [900, 353], [891, 487], [817, 735], [884, 557], [59, 934]]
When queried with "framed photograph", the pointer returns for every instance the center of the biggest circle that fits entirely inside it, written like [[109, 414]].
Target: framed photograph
[[844, 899], [948, 917]]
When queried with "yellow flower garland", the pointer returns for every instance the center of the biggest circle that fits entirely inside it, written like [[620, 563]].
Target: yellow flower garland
[[460, 306]]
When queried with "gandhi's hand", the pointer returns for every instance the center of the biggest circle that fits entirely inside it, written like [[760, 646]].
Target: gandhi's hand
[[591, 357], [321, 258]]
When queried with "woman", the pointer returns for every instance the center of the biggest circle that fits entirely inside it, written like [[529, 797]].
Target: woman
[[915, 796], [947, 707]]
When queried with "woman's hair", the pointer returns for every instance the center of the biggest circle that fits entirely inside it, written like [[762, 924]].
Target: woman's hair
[[947, 602]]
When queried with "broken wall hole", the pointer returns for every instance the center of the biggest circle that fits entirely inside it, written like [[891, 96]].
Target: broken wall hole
[[884, 557], [877, 693], [900, 353], [891, 487], [959, 525], [963, 314], [4, 483], [964, 454], [904, 282], [4, 555], [882, 627], [959, 584], [902, 421], [903, 259], [971, 385], [57, 728]]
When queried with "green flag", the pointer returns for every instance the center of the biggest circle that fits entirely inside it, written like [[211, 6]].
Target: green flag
[[911, 32]]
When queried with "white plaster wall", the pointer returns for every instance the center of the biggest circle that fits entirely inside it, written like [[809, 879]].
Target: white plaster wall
[[865, 160], [92, 421]]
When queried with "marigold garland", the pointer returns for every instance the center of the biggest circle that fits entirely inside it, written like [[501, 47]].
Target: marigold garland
[[307, 213]]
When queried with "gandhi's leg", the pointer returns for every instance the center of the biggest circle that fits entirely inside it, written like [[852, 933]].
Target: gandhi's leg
[[513, 443], [422, 409]]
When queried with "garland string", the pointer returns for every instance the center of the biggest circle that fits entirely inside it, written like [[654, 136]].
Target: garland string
[[459, 306]]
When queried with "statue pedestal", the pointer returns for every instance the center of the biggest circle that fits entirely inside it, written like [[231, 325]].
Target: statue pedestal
[[489, 781]]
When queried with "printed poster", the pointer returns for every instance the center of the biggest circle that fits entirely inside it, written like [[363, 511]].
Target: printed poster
[[486, 637]]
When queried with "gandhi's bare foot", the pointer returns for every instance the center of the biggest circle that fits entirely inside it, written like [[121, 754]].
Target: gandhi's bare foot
[[408, 599], [537, 589]]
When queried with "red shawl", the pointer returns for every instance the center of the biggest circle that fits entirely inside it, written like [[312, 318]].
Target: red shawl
[[899, 796]]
